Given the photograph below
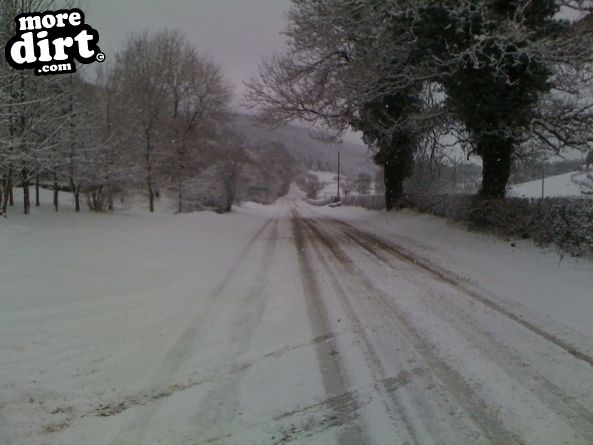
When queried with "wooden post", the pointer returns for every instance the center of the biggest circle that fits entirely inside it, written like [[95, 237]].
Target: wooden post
[[543, 180]]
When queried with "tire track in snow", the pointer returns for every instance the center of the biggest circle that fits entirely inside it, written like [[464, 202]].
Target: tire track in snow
[[547, 392], [332, 373], [448, 278], [481, 414], [221, 401], [398, 414], [179, 351]]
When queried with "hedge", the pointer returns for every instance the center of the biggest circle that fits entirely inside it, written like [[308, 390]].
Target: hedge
[[564, 222]]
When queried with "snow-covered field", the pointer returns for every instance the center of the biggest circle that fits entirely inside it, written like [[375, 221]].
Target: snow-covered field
[[288, 324], [569, 184], [330, 181], [330, 184]]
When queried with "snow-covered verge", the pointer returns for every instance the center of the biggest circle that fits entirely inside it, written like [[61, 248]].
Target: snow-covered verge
[[566, 223], [535, 283]]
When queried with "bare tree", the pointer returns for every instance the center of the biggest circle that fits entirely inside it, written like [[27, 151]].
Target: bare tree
[[362, 183], [27, 120], [114, 167], [198, 97], [274, 170], [231, 158], [174, 97], [310, 184], [139, 69]]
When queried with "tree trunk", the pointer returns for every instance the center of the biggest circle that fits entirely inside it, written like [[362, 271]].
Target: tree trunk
[[396, 156], [2, 195], [37, 200], [56, 193], [150, 193], [26, 195], [179, 195], [96, 200], [229, 203], [7, 193], [77, 200], [149, 185], [393, 187], [394, 179], [229, 186], [76, 191], [497, 160], [11, 196]]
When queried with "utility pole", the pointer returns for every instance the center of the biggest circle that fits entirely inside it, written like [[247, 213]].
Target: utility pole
[[338, 175]]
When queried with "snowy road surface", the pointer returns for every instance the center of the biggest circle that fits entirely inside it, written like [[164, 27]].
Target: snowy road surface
[[288, 324]]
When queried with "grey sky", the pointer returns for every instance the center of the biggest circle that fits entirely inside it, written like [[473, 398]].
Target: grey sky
[[236, 33]]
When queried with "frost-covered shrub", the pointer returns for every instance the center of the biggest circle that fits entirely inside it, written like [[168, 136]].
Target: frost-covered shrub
[[564, 222]]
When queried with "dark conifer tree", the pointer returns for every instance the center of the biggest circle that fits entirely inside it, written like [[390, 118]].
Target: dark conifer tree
[[494, 85]]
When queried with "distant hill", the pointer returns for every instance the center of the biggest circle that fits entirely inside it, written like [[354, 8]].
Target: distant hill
[[309, 152]]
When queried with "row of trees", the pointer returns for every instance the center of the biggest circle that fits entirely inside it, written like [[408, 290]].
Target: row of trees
[[500, 79], [152, 118]]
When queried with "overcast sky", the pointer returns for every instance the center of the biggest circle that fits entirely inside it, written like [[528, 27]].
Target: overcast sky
[[236, 33]]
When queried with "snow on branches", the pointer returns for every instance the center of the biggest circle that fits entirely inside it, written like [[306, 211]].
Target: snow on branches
[[507, 74]]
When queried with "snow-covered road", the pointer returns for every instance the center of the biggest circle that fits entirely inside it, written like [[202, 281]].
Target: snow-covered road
[[288, 324], [446, 364]]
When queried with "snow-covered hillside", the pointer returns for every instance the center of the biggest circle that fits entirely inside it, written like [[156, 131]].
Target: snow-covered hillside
[[310, 152], [570, 184]]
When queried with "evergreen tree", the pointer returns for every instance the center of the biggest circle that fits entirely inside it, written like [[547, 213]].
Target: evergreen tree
[[395, 148], [492, 80]]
